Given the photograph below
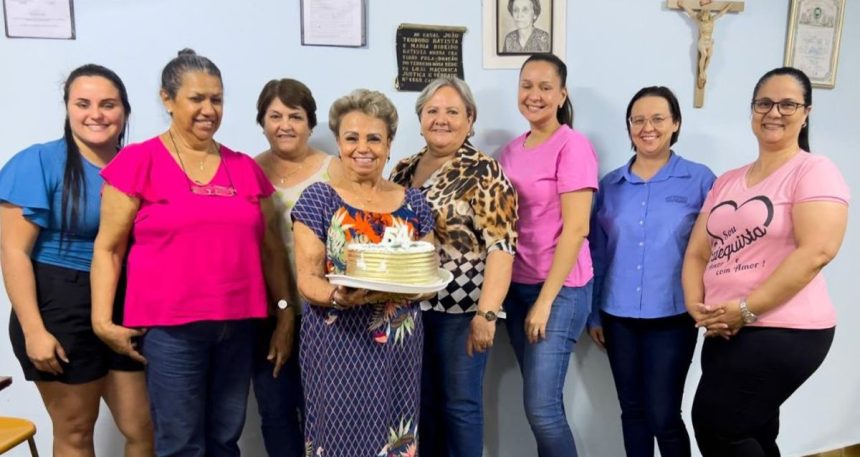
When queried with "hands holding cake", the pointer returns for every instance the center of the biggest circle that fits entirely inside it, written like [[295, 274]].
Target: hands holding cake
[[396, 263], [344, 297]]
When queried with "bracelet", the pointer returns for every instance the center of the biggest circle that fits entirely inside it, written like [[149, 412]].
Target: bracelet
[[333, 301]]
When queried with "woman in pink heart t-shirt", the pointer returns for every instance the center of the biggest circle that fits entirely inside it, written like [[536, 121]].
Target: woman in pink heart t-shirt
[[752, 274]]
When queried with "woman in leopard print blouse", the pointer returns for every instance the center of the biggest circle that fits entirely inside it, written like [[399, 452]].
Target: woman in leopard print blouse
[[475, 208]]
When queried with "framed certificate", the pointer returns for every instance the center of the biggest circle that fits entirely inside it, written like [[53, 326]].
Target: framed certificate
[[39, 19], [334, 22], [812, 45]]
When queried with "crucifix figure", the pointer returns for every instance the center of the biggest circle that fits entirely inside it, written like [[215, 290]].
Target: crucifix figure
[[704, 13]]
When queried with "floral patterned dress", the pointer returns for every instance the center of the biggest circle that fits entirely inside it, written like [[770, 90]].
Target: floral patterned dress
[[361, 367]]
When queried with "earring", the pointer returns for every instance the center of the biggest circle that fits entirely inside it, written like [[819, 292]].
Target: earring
[[804, 124]]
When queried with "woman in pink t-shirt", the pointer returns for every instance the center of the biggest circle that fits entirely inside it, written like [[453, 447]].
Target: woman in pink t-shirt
[[200, 227], [554, 170], [752, 274]]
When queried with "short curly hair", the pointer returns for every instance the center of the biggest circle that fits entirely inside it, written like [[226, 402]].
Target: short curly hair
[[369, 102]]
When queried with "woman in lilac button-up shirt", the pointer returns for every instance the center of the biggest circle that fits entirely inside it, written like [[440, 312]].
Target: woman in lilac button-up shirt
[[642, 219]]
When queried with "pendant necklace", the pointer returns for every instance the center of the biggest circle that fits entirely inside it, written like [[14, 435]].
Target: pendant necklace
[[283, 177], [179, 156]]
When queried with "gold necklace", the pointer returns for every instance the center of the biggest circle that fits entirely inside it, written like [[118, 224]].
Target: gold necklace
[[282, 177], [369, 196], [179, 155]]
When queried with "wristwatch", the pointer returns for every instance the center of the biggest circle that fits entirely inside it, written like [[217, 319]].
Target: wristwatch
[[748, 316], [490, 316]]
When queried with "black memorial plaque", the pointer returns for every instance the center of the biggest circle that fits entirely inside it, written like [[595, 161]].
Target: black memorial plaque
[[426, 52]]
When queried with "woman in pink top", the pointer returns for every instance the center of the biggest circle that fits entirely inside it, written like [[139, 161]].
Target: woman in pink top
[[200, 229], [752, 274], [554, 170]]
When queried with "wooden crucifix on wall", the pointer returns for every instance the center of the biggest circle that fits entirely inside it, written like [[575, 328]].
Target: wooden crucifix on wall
[[704, 13]]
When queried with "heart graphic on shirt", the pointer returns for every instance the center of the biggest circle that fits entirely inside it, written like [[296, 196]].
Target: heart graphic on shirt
[[745, 224]]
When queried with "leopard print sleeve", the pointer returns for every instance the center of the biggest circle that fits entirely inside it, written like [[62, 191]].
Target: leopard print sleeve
[[494, 203]]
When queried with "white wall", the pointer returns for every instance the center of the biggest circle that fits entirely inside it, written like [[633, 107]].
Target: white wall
[[614, 48]]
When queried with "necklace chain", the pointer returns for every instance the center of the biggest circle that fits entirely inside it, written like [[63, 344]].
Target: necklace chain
[[179, 155], [368, 196], [282, 177]]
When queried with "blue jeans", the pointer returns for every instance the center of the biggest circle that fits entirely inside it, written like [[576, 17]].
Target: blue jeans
[[544, 364], [198, 376], [649, 360], [452, 394], [279, 400]]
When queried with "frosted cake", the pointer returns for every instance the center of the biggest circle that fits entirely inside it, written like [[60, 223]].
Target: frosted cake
[[396, 259]]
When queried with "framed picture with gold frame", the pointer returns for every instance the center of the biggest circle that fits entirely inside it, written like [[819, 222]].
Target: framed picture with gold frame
[[812, 44]]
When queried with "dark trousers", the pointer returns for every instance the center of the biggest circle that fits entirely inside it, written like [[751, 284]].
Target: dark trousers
[[279, 400], [744, 382], [198, 375], [649, 360]]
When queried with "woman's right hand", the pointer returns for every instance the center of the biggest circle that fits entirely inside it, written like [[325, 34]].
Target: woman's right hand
[[596, 334], [121, 339], [703, 314], [44, 350], [350, 297]]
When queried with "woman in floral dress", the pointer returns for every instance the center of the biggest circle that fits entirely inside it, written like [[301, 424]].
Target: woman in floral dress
[[360, 351]]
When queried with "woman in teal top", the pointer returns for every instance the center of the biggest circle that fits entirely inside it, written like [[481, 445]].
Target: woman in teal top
[[49, 217]]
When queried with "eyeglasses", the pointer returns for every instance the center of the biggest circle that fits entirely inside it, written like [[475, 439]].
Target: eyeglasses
[[210, 189], [213, 190], [785, 107], [639, 122]]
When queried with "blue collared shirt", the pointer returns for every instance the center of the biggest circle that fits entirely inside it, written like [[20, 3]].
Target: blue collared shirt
[[639, 232]]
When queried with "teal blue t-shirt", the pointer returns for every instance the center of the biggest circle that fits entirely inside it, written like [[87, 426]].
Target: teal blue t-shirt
[[33, 180]]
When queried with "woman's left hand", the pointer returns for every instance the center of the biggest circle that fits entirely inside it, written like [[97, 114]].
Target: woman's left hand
[[722, 319], [536, 321], [481, 335], [281, 343]]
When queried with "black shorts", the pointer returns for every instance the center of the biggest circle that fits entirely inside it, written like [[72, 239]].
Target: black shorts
[[63, 296]]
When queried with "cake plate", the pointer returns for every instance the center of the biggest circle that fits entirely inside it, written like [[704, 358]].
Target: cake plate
[[445, 277]]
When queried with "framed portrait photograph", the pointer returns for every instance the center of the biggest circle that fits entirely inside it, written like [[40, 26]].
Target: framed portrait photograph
[[523, 26], [812, 45], [516, 29]]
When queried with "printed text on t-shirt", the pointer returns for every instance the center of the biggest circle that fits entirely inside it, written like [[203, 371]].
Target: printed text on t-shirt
[[748, 224]]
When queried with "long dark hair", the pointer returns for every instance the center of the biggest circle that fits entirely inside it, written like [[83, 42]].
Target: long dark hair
[[74, 190], [564, 114], [805, 84]]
